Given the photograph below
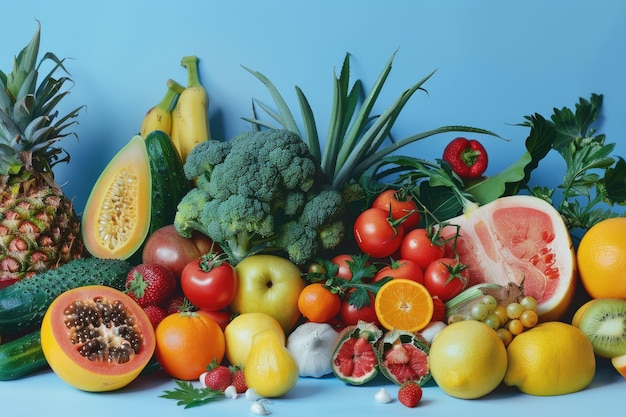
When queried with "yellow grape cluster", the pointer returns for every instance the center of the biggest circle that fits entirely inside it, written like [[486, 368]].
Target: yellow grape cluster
[[507, 320]]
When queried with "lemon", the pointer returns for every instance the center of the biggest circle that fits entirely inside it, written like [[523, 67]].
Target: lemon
[[467, 359], [239, 332], [552, 358], [270, 369]]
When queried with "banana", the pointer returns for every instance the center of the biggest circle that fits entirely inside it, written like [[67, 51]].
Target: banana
[[190, 123], [159, 117]]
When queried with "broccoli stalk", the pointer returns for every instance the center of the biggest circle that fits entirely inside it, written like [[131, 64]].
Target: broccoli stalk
[[262, 191]]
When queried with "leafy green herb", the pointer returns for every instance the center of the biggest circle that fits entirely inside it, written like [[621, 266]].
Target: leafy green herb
[[357, 288], [594, 180], [189, 396]]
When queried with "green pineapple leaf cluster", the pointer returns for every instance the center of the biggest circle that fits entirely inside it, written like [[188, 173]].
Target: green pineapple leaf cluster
[[29, 123]]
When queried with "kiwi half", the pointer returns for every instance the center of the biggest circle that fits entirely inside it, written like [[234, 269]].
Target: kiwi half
[[604, 323]]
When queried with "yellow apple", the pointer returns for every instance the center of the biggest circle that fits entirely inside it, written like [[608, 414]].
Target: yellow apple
[[269, 284]]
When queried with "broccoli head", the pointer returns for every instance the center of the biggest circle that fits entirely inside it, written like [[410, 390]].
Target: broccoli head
[[261, 191]]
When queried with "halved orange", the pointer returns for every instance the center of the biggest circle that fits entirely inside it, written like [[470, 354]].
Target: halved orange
[[403, 304]]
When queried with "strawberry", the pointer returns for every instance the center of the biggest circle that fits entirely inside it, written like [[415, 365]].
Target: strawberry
[[238, 379], [439, 311], [150, 284], [410, 393], [155, 314], [217, 377]]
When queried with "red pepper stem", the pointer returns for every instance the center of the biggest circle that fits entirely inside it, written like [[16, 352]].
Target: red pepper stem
[[469, 156]]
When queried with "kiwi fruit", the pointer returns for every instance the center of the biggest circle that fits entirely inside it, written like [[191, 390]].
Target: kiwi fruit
[[604, 323]]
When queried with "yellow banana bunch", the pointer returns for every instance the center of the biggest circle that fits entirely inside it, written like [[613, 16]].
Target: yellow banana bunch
[[190, 122], [159, 117]]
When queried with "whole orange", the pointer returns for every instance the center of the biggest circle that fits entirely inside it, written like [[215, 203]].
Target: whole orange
[[601, 258], [187, 342], [318, 304]]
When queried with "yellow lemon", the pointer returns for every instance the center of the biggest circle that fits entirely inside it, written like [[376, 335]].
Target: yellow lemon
[[601, 258], [467, 359], [239, 332], [552, 358], [270, 368]]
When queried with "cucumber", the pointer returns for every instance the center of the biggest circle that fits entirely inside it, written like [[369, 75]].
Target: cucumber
[[169, 184], [22, 356], [23, 304]]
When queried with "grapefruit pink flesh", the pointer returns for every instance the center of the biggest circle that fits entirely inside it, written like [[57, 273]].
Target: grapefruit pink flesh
[[520, 239]]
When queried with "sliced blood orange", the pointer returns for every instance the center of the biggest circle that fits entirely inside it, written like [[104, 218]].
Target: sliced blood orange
[[403, 357], [520, 239], [354, 359], [403, 304]]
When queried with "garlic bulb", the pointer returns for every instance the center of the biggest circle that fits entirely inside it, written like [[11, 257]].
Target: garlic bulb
[[311, 345]]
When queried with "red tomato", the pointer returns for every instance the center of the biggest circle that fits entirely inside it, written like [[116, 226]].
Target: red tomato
[[376, 234], [342, 262], [221, 317], [445, 278], [209, 283], [400, 204], [351, 315], [418, 247], [402, 268], [165, 246]]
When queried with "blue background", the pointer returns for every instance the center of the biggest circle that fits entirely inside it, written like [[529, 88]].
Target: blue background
[[496, 62]]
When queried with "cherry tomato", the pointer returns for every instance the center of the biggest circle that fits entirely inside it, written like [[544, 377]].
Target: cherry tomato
[[209, 282], [376, 233], [402, 268], [445, 278], [400, 204], [350, 315], [418, 247]]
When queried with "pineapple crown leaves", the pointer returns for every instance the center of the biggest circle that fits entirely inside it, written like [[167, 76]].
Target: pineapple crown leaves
[[28, 121]]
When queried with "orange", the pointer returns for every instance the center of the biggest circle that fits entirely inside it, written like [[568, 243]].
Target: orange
[[187, 342], [318, 304], [403, 304], [601, 258]]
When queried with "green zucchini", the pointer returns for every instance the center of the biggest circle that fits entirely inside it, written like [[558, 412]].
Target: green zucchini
[[169, 184], [22, 356], [23, 304]]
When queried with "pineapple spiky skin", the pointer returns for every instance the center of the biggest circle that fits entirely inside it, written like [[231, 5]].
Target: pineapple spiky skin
[[39, 228], [38, 231]]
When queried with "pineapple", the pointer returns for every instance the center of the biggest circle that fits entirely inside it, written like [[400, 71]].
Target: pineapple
[[39, 228]]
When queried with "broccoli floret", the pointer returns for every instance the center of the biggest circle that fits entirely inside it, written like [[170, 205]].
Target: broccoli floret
[[261, 191]]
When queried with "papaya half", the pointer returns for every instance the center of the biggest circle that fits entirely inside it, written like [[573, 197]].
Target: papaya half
[[96, 338], [116, 219]]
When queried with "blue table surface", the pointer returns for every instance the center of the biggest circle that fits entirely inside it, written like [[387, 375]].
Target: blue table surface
[[44, 394]]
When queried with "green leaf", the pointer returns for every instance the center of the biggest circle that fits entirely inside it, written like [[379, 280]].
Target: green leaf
[[310, 128], [283, 108], [188, 396], [615, 183]]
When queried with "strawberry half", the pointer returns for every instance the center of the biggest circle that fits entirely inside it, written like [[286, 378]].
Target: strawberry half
[[150, 284]]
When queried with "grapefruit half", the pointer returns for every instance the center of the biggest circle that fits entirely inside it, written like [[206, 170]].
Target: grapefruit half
[[520, 239]]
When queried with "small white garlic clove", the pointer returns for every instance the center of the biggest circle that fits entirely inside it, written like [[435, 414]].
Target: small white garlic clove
[[382, 396], [258, 408], [251, 395], [230, 392]]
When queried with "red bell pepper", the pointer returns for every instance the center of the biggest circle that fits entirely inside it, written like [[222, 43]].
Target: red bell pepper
[[467, 157]]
